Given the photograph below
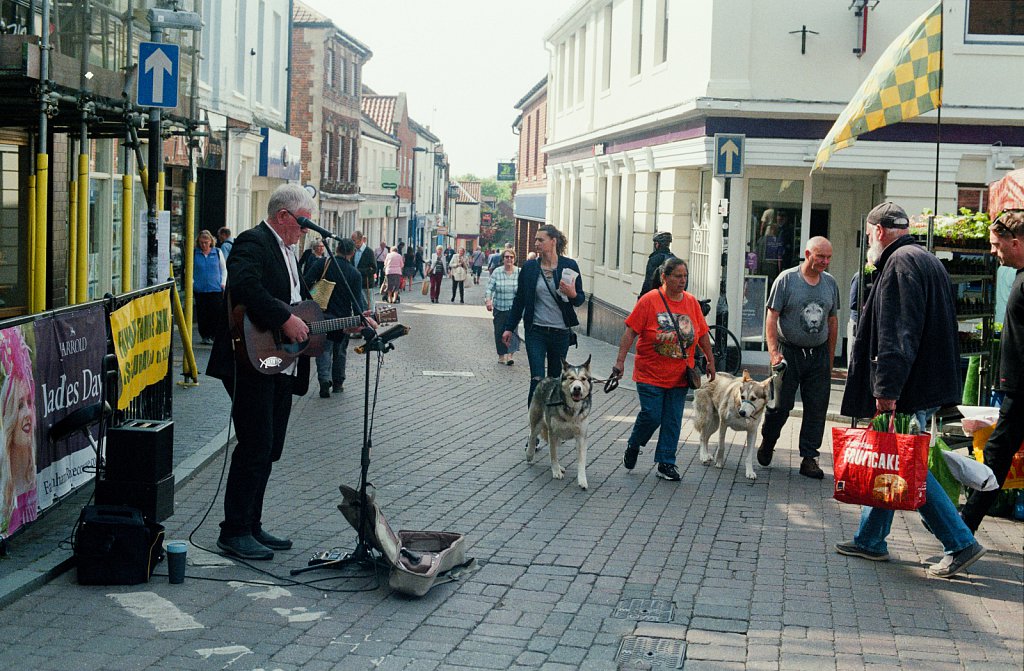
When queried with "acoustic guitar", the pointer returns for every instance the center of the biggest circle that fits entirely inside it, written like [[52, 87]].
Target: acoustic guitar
[[270, 352]]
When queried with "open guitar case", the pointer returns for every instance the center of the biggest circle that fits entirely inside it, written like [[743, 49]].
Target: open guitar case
[[418, 558]]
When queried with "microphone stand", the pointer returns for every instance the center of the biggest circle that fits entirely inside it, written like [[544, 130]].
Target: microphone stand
[[363, 553]]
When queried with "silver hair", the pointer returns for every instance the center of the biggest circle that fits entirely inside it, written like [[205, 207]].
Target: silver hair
[[291, 197]]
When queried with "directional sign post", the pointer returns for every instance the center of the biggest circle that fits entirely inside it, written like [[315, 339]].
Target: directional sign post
[[158, 75], [729, 155]]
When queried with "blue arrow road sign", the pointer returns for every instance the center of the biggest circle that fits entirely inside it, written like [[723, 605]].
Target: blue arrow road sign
[[158, 75], [729, 155]]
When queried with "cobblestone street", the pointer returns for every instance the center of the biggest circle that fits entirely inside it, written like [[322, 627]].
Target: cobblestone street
[[713, 572]]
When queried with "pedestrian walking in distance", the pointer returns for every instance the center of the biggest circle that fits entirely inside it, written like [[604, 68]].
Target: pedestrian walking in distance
[[499, 296], [436, 269], [458, 269]]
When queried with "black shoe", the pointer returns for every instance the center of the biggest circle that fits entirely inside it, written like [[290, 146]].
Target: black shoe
[[764, 454], [325, 389], [957, 562], [853, 550], [245, 547], [668, 472], [271, 541], [809, 468], [337, 387], [629, 456]]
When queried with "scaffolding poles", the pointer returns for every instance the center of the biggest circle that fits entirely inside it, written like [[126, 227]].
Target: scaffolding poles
[[37, 302], [127, 220]]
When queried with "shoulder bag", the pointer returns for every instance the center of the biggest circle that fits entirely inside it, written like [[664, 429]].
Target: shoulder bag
[[691, 375], [323, 288]]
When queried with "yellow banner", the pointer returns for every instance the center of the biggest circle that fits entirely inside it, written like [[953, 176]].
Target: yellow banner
[[142, 341]]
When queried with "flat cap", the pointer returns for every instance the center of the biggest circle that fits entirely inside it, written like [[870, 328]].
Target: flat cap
[[888, 215]]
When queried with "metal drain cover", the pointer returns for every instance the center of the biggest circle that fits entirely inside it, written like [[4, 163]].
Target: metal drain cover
[[650, 653], [644, 610]]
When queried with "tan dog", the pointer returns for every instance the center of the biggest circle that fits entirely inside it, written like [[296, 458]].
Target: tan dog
[[730, 402]]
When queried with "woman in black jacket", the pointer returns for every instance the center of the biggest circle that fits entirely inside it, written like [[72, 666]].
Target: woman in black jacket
[[549, 290]]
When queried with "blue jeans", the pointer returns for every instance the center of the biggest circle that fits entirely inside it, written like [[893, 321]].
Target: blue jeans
[[545, 345], [938, 512], [330, 364], [659, 407]]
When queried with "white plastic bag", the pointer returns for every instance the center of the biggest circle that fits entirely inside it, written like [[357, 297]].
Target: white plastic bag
[[971, 473]]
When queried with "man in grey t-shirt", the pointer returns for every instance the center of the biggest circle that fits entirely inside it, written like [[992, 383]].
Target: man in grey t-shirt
[[801, 328]]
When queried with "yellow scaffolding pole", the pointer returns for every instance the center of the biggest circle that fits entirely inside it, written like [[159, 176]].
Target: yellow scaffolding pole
[[82, 266], [127, 232], [39, 250]]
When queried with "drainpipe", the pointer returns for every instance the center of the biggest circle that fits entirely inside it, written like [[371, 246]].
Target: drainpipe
[[38, 300], [31, 222]]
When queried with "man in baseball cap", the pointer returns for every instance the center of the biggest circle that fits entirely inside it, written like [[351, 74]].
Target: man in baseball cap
[[889, 215]]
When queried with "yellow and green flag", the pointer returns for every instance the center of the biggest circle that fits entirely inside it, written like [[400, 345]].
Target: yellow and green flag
[[904, 83]]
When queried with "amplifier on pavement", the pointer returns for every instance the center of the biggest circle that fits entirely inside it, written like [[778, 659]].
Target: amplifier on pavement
[[154, 499], [140, 450]]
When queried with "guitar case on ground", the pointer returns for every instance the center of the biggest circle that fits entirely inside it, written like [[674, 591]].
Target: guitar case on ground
[[418, 558]]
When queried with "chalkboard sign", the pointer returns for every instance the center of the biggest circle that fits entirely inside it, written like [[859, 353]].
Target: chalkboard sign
[[755, 295]]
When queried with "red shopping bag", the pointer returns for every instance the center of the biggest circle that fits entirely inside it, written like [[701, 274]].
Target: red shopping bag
[[879, 469]]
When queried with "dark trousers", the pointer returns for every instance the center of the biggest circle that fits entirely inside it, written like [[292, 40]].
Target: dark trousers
[[460, 286], [545, 345], [808, 370], [999, 450], [208, 307], [499, 330], [435, 285], [260, 410]]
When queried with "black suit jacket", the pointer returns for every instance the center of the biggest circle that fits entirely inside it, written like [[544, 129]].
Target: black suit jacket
[[258, 279], [367, 267]]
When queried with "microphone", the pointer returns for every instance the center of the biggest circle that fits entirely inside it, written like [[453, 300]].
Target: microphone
[[383, 338], [308, 223]]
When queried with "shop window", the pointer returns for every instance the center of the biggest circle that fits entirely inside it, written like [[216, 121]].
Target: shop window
[[13, 247], [775, 209], [995, 21]]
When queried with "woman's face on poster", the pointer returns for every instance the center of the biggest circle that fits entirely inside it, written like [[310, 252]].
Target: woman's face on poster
[[24, 416]]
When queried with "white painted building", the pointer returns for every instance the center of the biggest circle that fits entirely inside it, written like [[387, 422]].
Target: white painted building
[[243, 89], [377, 151], [430, 174], [638, 89]]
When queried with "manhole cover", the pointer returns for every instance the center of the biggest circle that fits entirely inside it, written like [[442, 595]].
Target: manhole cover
[[644, 610], [653, 653]]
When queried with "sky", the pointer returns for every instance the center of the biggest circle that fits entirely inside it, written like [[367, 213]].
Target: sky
[[463, 65]]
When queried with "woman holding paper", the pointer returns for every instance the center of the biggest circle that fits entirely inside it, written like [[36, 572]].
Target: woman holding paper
[[548, 290]]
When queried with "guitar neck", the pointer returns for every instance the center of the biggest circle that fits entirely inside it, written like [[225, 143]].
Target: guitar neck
[[337, 324]]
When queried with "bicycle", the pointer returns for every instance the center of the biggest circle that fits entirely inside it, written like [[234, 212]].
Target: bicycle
[[725, 347]]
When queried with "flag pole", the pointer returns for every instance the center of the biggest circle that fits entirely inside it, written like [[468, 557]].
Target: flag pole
[[938, 125]]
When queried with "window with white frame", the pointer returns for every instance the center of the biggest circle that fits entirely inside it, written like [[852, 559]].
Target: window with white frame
[[661, 32], [636, 56], [210, 18], [329, 75], [240, 51], [345, 84], [326, 163], [261, 39], [570, 71], [614, 223], [276, 99], [581, 59], [995, 21], [606, 50], [341, 156]]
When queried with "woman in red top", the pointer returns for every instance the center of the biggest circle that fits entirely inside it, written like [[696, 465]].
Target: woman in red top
[[669, 323]]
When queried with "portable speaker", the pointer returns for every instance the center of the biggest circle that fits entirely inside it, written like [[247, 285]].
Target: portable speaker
[[155, 500], [115, 546], [140, 450]]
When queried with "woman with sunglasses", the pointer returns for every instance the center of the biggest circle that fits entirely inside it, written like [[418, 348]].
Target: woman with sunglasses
[[547, 294], [499, 296]]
